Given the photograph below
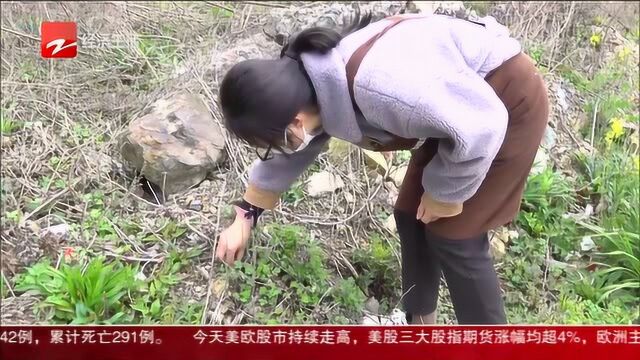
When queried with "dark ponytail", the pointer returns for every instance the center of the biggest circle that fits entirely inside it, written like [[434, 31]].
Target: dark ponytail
[[321, 39], [260, 98]]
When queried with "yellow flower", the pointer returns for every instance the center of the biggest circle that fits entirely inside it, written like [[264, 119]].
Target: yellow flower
[[624, 53], [598, 20], [616, 129], [595, 39]]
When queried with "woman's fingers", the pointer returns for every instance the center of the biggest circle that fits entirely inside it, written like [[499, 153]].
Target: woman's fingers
[[426, 219], [225, 252], [424, 216], [230, 256], [239, 254], [420, 212], [222, 248]]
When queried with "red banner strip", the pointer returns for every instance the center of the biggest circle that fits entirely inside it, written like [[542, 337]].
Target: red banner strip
[[319, 342]]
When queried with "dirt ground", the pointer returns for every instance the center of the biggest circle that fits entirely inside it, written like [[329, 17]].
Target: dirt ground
[[62, 166]]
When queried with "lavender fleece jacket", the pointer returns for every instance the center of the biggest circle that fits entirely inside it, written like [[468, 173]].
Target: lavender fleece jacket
[[424, 78]]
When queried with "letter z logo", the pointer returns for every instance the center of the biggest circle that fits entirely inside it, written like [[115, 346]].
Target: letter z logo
[[59, 40]]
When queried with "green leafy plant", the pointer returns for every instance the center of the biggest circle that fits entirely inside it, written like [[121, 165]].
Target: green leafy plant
[[536, 52], [609, 180], [8, 126], [221, 12], [620, 262], [547, 189], [402, 156], [379, 271], [46, 183], [575, 310], [4, 288], [99, 219], [289, 281], [348, 294], [77, 294], [184, 313], [158, 52], [576, 78], [32, 203], [523, 272], [170, 231], [547, 197], [82, 132], [30, 71], [295, 194], [615, 181], [155, 303], [14, 216]]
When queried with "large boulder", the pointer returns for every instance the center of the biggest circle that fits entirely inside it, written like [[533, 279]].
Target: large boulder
[[176, 144]]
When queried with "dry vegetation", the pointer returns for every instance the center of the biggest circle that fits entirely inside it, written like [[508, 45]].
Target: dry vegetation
[[61, 121]]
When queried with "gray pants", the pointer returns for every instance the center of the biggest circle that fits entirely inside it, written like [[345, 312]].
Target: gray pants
[[467, 267]]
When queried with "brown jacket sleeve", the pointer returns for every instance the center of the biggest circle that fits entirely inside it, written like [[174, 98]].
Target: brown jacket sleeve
[[261, 198]]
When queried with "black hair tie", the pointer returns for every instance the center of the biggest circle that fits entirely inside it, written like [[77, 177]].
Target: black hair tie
[[291, 54], [287, 51]]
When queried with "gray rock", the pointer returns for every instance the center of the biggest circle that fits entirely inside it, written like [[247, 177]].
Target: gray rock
[[540, 162], [60, 231], [497, 249], [332, 15], [323, 182], [97, 163], [498, 241], [196, 205], [397, 317], [561, 95], [176, 145], [372, 305], [452, 8], [549, 139], [588, 211], [390, 224]]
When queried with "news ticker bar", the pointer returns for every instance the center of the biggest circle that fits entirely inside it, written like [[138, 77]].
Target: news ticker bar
[[282, 342]]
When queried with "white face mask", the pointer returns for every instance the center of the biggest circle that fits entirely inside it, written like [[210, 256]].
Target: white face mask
[[306, 140]]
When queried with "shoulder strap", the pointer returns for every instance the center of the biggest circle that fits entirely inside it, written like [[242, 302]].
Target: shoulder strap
[[356, 58]]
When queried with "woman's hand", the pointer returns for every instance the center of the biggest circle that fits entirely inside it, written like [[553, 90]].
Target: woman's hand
[[424, 214], [431, 210], [233, 240]]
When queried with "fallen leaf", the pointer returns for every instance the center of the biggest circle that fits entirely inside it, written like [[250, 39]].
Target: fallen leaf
[[497, 249], [587, 243], [398, 174], [390, 224], [218, 286], [378, 159]]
